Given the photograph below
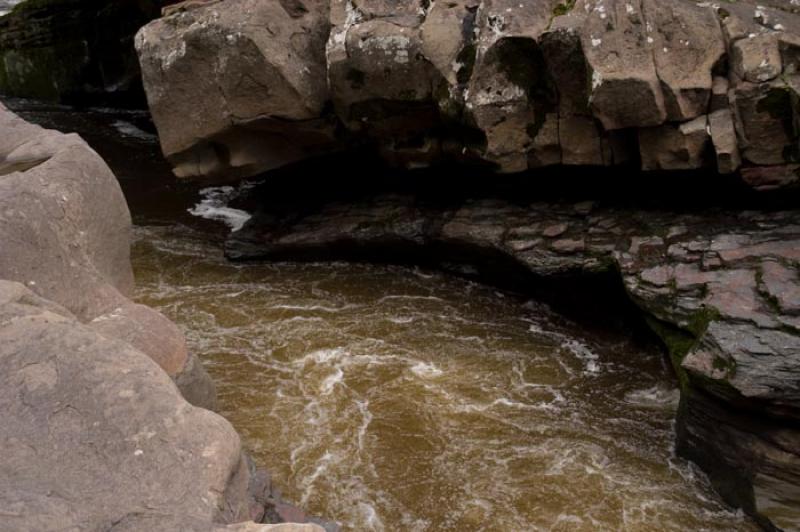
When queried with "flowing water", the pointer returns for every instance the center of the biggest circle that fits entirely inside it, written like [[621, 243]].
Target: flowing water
[[390, 398]]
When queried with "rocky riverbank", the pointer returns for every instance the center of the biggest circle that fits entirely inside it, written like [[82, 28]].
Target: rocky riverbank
[[97, 429], [720, 288], [240, 87]]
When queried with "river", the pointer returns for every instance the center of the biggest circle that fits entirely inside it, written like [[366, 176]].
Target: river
[[396, 398]]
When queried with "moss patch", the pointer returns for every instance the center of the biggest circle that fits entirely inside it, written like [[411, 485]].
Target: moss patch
[[679, 341], [564, 8]]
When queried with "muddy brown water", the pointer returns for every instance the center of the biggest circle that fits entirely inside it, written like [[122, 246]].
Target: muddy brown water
[[394, 398], [391, 398]]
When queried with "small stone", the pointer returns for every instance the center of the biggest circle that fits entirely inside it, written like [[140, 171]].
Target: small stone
[[555, 230]]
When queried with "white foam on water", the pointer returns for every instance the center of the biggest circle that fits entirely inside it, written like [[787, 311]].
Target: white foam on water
[[401, 320], [214, 206], [426, 370], [511, 434], [584, 353], [126, 129], [657, 396], [331, 381], [370, 517]]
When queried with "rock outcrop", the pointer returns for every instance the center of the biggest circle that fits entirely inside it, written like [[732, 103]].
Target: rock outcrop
[[106, 420], [721, 289], [73, 51], [243, 86], [97, 437], [65, 234]]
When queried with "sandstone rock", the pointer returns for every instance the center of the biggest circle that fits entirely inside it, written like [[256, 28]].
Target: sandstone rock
[[764, 122], [95, 434], [65, 228], [151, 333], [580, 141], [757, 59], [65, 234], [382, 84], [625, 88], [675, 147], [510, 83], [247, 80], [771, 177], [508, 91], [566, 62], [283, 527], [447, 39], [723, 136], [687, 45], [780, 283], [546, 146], [719, 94]]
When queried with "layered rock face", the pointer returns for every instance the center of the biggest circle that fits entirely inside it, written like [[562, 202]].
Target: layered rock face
[[721, 289], [73, 50], [65, 234], [242, 86]]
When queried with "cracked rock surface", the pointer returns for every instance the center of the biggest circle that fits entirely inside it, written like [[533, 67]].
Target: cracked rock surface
[[243, 86]]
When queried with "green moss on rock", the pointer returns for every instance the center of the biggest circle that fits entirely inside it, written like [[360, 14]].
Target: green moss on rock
[[564, 8]]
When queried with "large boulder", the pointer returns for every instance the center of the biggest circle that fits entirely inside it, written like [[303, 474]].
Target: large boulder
[[65, 234], [513, 85], [96, 436], [240, 87]]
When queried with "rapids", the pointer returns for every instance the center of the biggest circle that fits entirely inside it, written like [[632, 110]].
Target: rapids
[[390, 398]]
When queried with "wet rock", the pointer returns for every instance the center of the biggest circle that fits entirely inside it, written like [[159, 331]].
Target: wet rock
[[781, 286]]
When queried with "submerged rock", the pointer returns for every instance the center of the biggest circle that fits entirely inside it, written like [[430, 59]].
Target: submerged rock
[[721, 289], [513, 85]]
